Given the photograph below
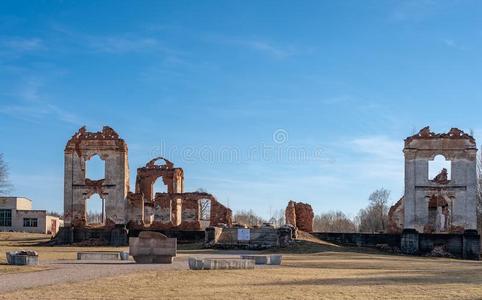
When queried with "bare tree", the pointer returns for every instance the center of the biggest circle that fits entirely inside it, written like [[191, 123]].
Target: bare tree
[[94, 217], [248, 218], [374, 218], [5, 186], [277, 218], [333, 222], [55, 214], [479, 191]]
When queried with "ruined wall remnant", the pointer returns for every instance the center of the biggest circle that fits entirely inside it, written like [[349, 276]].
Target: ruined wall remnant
[[395, 217], [112, 189], [220, 214], [172, 177], [300, 215], [182, 211], [135, 210], [447, 202], [290, 214]]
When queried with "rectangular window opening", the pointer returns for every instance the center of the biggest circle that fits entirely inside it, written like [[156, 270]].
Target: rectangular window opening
[[30, 222], [5, 217]]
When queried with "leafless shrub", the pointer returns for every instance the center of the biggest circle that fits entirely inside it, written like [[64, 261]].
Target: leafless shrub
[[5, 187], [248, 218], [335, 221], [374, 218]]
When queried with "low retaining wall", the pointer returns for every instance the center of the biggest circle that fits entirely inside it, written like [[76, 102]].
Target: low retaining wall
[[360, 239], [116, 236], [466, 246], [119, 236], [248, 238], [182, 236]]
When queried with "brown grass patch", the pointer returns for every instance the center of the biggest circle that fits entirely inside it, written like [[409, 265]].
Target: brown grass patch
[[329, 275], [328, 272]]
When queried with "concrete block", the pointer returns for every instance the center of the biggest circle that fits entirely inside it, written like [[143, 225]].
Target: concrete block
[[264, 259], [220, 264], [22, 258], [102, 256]]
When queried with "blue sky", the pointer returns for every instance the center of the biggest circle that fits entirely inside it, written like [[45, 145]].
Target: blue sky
[[259, 101]]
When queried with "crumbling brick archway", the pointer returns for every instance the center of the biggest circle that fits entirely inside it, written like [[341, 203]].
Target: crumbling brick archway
[[172, 177]]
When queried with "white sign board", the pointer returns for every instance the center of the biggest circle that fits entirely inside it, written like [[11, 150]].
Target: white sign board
[[243, 234]]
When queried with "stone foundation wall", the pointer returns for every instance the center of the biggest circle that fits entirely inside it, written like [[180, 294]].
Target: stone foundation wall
[[259, 238], [466, 246]]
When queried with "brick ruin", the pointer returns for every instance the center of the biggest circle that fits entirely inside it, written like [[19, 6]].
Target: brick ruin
[[300, 215], [446, 203], [140, 209], [395, 217]]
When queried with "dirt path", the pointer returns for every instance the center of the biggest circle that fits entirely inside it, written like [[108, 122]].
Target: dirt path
[[67, 271], [73, 271]]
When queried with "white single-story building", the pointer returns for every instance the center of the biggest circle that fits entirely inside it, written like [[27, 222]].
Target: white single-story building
[[16, 214]]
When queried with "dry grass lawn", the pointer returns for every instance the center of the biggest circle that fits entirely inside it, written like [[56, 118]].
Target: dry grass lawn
[[332, 273], [11, 241], [327, 276]]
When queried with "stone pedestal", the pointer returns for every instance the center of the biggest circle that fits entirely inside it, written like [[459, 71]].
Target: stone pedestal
[[409, 242], [152, 248]]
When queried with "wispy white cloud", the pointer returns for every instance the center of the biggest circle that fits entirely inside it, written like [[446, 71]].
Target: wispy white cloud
[[123, 44], [378, 147], [22, 44], [38, 111], [29, 90], [452, 44], [29, 103], [114, 43], [412, 10], [266, 46]]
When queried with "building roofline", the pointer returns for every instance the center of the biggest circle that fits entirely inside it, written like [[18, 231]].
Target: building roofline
[[15, 197]]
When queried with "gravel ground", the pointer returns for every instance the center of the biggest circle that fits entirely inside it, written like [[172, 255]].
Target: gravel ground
[[65, 271], [74, 271]]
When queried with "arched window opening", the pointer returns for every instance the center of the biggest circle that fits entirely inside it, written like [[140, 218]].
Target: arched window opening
[[95, 168], [95, 210], [439, 214], [440, 169], [158, 187]]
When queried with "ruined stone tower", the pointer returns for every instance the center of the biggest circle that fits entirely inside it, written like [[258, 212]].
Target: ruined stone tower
[[444, 203], [112, 189]]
